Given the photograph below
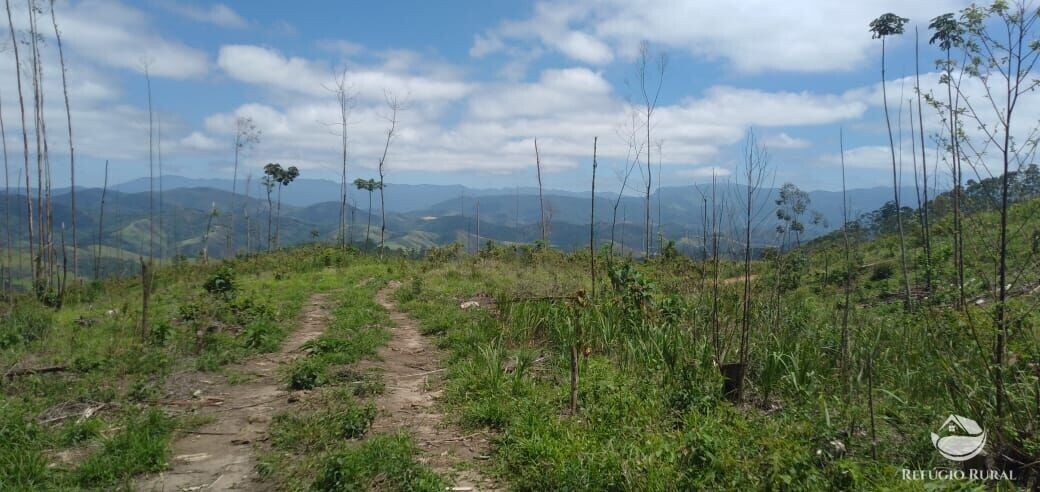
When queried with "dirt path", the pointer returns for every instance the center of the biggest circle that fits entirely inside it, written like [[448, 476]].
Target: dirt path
[[220, 455], [410, 365]]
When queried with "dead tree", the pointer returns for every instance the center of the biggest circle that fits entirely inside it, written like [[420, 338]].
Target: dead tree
[[146, 294], [25, 145], [650, 97], [72, 150], [882, 27], [151, 162], [7, 206], [247, 135], [843, 353], [541, 198], [345, 99], [754, 168], [926, 233], [101, 227], [592, 221], [394, 106]]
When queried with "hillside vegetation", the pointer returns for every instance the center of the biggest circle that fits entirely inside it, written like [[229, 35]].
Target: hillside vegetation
[[89, 394]]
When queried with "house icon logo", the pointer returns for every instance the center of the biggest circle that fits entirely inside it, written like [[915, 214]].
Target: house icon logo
[[959, 438]]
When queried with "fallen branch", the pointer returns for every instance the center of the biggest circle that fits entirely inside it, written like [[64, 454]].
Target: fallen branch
[[34, 370]]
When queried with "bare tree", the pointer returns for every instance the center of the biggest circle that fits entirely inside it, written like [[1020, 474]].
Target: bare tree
[[72, 150], [635, 149], [592, 221], [394, 106], [950, 34], [650, 97], [345, 97], [158, 160], [205, 236], [101, 226], [7, 205], [1003, 51], [247, 136], [846, 306], [882, 27], [541, 198], [926, 233], [151, 161], [25, 143], [754, 172]]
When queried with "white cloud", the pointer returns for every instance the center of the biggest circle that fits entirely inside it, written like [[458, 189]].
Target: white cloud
[[753, 35], [197, 141], [699, 173], [266, 67], [126, 38], [217, 14], [784, 141]]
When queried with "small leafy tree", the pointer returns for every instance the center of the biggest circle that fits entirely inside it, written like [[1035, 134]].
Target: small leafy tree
[[892, 25], [369, 185]]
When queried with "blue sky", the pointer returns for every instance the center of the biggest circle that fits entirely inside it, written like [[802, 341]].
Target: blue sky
[[479, 81]]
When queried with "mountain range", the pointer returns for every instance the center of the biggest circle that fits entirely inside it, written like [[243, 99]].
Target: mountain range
[[418, 217]]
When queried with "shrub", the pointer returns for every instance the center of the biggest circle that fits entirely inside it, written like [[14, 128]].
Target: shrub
[[882, 271], [307, 373], [25, 323], [383, 462], [141, 447], [221, 283]]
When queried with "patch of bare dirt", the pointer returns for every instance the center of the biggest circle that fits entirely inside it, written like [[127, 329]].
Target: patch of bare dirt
[[220, 455], [411, 368]]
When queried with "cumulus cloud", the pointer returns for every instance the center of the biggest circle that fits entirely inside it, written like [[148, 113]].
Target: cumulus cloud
[[126, 39], [269, 68], [784, 141], [705, 172], [217, 14], [753, 36]]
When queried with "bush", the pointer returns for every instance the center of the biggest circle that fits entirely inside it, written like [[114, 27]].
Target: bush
[[25, 323], [141, 447], [882, 271], [307, 373], [222, 283], [262, 335], [384, 462]]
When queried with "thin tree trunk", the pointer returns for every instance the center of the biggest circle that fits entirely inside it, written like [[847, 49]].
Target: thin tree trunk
[[205, 237], [101, 226], [146, 294], [848, 264], [25, 145], [716, 324], [151, 168], [924, 168], [368, 228], [234, 193], [541, 198], [574, 378], [895, 182], [7, 205], [278, 220], [158, 155], [592, 221], [270, 214], [72, 150]]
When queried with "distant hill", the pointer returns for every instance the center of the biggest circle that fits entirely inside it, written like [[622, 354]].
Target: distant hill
[[505, 216], [304, 192]]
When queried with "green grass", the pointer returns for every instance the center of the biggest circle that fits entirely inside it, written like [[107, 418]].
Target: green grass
[[324, 445], [651, 410], [110, 363]]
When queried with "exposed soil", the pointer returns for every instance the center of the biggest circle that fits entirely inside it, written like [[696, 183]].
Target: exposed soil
[[220, 455], [411, 368]]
